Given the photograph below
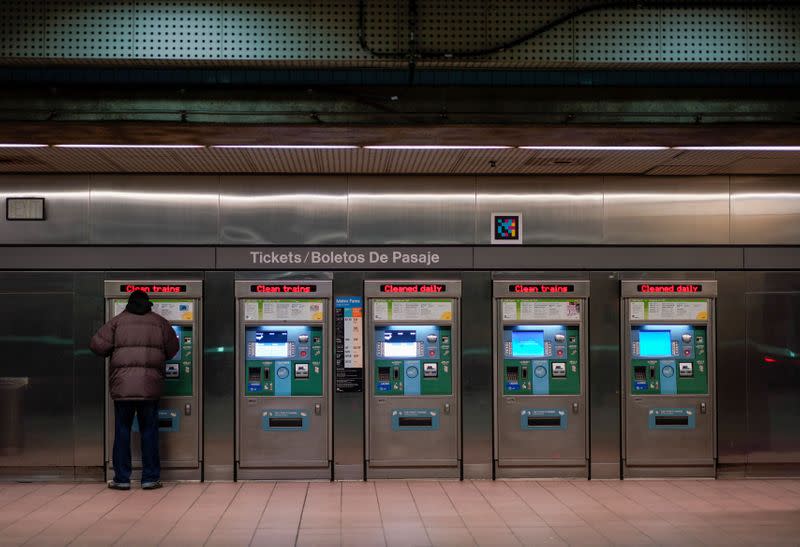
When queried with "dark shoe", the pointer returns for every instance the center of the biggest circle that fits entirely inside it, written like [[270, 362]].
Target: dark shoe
[[114, 485], [151, 485]]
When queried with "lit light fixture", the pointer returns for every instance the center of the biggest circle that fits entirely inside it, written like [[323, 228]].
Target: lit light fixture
[[22, 145], [129, 145], [600, 148], [288, 146], [433, 147], [742, 148]]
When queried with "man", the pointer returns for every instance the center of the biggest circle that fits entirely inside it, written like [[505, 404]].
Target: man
[[139, 342]]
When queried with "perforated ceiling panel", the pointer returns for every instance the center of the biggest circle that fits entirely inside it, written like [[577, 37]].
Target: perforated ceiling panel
[[323, 32], [178, 30]]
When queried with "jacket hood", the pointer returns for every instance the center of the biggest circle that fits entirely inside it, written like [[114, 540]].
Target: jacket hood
[[139, 303]]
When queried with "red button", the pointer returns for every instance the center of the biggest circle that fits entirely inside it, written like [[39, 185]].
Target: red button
[[432, 353], [687, 352], [560, 352], [302, 354]]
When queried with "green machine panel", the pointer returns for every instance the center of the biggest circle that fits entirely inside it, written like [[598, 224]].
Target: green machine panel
[[541, 360], [669, 360], [283, 360], [413, 360], [179, 370]]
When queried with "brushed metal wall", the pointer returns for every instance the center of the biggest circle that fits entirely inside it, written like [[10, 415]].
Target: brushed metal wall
[[327, 210]]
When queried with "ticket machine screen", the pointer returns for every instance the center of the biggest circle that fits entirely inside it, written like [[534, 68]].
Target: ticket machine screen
[[270, 344], [400, 343], [655, 343], [179, 333], [527, 343]]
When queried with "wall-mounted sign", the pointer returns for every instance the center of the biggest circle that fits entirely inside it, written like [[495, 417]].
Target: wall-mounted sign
[[506, 229], [24, 208], [349, 338], [413, 287], [344, 258]]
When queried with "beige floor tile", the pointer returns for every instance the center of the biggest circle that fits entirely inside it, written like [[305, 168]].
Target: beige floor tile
[[285, 506], [494, 536], [405, 535], [473, 508], [319, 537], [274, 537], [580, 535], [154, 525], [222, 537], [450, 537], [363, 537], [506, 503], [539, 535]]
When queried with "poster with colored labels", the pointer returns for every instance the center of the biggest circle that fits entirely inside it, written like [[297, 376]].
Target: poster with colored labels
[[669, 310], [543, 309], [283, 310], [349, 337], [171, 310], [412, 310]]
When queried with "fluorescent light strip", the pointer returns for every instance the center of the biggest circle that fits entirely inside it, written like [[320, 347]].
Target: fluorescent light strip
[[433, 147], [16, 145], [742, 148], [621, 148], [288, 146], [129, 145]]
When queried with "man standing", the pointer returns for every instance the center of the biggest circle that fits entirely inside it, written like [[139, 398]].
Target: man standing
[[139, 342]]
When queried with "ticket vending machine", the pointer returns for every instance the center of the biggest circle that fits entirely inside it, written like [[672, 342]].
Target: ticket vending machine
[[413, 404], [540, 378], [180, 412], [669, 427], [283, 379]]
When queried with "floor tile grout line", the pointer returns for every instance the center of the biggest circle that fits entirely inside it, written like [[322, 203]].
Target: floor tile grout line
[[650, 511], [261, 515], [300, 520], [510, 529], [163, 495], [51, 500], [174, 488], [718, 507], [174, 524], [102, 491], [101, 517], [416, 508], [380, 512], [222, 513], [36, 489]]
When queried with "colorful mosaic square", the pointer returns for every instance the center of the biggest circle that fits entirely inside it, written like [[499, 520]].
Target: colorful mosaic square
[[506, 227]]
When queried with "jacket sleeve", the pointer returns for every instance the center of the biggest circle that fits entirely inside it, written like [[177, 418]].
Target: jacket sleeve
[[171, 342], [102, 342]]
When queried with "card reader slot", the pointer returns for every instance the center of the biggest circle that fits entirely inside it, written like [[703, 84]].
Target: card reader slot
[[286, 422], [415, 422], [165, 423], [544, 421], [672, 420]]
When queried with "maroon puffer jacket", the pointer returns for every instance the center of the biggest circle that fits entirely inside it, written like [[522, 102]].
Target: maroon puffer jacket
[[138, 345]]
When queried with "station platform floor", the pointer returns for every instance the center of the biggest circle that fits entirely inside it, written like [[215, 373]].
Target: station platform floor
[[645, 512]]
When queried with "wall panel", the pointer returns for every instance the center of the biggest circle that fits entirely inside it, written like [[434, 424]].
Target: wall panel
[[765, 210]]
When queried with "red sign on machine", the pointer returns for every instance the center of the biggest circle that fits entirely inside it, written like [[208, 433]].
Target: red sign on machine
[[152, 289], [413, 288], [282, 289], [669, 288], [541, 288]]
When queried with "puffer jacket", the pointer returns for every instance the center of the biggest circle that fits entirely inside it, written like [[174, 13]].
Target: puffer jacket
[[139, 342]]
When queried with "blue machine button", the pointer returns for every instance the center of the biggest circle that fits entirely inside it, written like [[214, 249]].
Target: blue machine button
[[412, 372], [540, 372], [282, 372], [668, 371]]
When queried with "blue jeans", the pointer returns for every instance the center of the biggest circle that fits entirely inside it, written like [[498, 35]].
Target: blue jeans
[[147, 412]]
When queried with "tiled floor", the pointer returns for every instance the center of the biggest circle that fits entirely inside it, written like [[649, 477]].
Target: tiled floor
[[725, 512]]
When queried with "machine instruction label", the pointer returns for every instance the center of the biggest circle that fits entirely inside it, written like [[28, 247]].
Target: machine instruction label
[[412, 310], [668, 310], [283, 310], [533, 309], [349, 335], [171, 310]]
